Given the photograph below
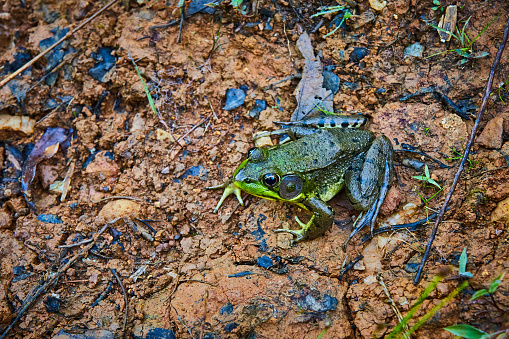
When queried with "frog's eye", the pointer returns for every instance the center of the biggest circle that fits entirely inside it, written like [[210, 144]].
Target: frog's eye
[[250, 152], [291, 186], [270, 179], [257, 154]]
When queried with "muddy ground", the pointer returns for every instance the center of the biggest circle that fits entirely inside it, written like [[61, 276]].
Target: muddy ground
[[227, 275]]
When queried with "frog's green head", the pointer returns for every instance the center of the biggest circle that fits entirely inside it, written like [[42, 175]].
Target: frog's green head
[[259, 176]]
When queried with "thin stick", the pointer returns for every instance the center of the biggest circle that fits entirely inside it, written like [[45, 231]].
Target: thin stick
[[465, 154], [114, 271], [67, 36], [30, 300], [181, 21]]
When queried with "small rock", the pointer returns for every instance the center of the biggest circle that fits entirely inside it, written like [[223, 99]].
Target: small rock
[[146, 332], [161, 135], [138, 123], [52, 303], [103, 164], [260, 105], [491, 136], [265, 262], [198, 132], [119, 208], [331, 81], [234, 98], [415, 50], [49, 218], [377, 5], [358, 54], [226, 309], [359, 266], [104, 63], [5, 220], [370, 279], [501, 212], [230, 327]]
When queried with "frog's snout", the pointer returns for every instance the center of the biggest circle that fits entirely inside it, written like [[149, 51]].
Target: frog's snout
[[241, 176]]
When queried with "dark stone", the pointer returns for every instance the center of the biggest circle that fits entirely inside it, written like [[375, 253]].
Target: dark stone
[[265, 262], [358, 54], [194, 171], [226, 309], [52, 304], [56, 55], [230, 327], [49, 218], [311, 303], [260, 105], [20, 273], [160, 333], [104, 62], [234, 98], [331, 81]]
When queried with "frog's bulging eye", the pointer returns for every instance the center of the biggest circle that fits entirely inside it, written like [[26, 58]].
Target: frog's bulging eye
[[250, 152], [271, 179], [257, 154], [291, 186]]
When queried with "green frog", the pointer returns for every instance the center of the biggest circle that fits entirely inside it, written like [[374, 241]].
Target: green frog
[[324, 155]]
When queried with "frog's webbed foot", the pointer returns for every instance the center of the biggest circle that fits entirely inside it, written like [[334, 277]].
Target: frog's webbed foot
[[316, 226], [299, 234], [229, 188]]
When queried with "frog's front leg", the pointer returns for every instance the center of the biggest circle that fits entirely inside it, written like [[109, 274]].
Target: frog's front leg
[[229, 188], [320, 222], [368, 180]]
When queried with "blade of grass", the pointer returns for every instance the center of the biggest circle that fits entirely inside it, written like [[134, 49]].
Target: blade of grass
[[437, 307], [416, 306]]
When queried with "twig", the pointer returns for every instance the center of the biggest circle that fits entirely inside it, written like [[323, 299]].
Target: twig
[[31, 299], [126, 302], [67, 36], [465, 154], [181, 21], [76, 244]]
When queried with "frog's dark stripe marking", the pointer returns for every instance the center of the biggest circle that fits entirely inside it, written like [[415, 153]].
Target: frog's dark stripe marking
[[355, 140], [344, 124], [304, 143], [305, 155], [321, 123], [315, 161], [332, 123], [370, 161], [331, 143]]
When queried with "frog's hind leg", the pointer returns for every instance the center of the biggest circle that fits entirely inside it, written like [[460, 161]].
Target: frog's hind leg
[[368, 180]]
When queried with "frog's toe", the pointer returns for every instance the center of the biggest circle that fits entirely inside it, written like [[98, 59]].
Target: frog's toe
[[299, 234], [228, 190]]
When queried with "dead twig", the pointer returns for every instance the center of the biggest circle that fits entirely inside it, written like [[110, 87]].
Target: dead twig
[[53, 278], [67, 36], [182, 15], [114, 271], [465, 154]]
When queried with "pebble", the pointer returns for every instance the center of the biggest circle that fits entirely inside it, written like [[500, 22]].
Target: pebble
[[491, 136], [119, 208]]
